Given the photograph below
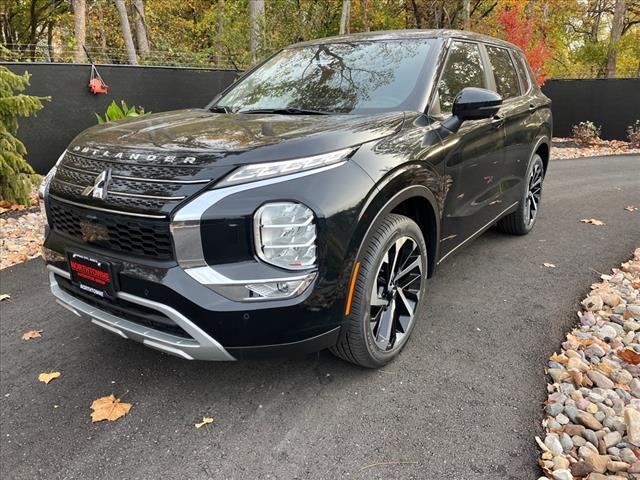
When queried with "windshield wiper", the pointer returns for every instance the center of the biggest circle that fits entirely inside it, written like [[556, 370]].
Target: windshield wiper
[[285, 111], [219, 109]]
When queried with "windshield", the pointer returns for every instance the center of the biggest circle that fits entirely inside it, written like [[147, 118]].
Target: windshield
[[349, 77]]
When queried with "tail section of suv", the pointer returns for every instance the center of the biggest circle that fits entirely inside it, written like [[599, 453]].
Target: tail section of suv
[[307, 205]]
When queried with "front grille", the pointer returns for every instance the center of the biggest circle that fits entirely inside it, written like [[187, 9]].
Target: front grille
[[133, 187], [136, 170], [120, 233], [124, 309]]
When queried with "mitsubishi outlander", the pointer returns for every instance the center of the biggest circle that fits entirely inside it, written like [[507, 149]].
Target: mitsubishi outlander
[[306, 206]]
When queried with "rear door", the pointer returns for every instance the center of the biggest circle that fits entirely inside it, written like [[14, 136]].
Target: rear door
[[474, 154], [516, 111]]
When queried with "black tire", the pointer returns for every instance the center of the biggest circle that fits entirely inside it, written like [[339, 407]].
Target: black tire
[[358, 342], [521, 222]]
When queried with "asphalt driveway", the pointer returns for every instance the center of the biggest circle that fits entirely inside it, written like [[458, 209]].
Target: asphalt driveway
[[463, 401]]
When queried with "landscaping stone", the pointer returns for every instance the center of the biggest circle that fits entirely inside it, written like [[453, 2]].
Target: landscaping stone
[[593, 402]]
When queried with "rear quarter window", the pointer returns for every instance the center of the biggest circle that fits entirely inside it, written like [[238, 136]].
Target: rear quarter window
[[506, 78], [523, 72]]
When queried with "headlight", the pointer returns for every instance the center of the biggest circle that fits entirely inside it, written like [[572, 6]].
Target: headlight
[[285, 235], [261, 171], [47, 178]]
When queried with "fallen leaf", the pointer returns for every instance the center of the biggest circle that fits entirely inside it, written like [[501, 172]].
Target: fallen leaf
[[562, 359], [4, 296], [631, 208], [549, 265], [630, 356], [592, 221], [205, 421], [32, 334], [108, 408], [47, 377]]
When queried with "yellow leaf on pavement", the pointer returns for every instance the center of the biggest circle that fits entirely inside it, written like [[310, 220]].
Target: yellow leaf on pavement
[[631, 208], [205, 421], [108, 408], [592, 221], [47, 377], [4, 296], [32, 334], [549, 265]]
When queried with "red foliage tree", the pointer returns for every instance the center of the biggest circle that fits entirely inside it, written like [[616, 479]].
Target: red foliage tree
[[530, 37]]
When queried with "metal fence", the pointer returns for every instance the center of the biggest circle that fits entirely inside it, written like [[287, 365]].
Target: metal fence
[[118, 56]]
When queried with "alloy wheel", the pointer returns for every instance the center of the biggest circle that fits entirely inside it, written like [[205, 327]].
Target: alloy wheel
[[395, 293], [534, 194]]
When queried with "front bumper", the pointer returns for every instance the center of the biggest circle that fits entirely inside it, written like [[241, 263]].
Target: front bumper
[[197, 344], [181, 308], [199, 347]]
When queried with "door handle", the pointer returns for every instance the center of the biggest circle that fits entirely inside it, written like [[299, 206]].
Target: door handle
[[497, 121]]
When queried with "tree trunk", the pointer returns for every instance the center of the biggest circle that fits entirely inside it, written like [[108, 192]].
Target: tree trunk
[[256, 11], [616, 32], [50, 42], [126, 32], [344, 18], [141, 28], [103, 36], [466, 14], [365, 14], [80, 29], [219, 32]]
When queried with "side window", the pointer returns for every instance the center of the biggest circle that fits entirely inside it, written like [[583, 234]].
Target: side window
[[523, 72], [507, 84], [463, 69]]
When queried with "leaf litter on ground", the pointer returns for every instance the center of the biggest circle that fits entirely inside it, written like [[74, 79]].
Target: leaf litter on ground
[[108, 408], [31, 334], [47, 377], [205, 421], [593, 221]]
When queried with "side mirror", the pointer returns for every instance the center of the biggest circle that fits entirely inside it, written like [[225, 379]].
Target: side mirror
[[473, 104]]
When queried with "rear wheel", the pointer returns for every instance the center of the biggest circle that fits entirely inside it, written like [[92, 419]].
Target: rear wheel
[[388, 294], [524, 218]]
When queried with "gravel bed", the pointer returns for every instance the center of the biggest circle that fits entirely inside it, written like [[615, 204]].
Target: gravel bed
[[592, 424], [21, 236], [563, 148]]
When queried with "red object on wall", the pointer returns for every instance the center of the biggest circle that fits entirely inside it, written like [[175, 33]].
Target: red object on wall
[[96, 85]]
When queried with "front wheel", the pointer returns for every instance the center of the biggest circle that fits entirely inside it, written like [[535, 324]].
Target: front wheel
[[388, 294], [524, 218]]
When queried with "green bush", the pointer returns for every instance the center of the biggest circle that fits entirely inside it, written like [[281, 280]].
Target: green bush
[[633, 134], [16, 175], [118, 112], [586, 133]]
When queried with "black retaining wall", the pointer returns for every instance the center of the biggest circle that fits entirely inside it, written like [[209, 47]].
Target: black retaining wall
[[612, 103], [73, 107]]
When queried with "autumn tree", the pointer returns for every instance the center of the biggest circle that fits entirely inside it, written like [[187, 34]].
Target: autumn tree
[[125, 27], [141, 28], [80, 28], [614, 38], [256, 13], [529, 36]]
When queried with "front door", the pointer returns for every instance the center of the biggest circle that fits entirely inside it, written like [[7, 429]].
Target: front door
[[474, 155]]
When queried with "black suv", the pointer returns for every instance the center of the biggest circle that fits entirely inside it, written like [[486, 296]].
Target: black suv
[[307, 205]]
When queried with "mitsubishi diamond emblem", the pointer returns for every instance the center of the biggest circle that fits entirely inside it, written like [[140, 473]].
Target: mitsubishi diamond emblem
[[99, 187]]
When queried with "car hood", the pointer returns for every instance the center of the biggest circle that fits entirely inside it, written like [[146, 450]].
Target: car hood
[[201, 137]]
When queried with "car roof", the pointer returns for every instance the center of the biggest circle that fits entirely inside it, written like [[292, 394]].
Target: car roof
[[408, 34]]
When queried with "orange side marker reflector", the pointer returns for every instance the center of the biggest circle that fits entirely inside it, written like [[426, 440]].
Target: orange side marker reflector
[[352, 288]]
